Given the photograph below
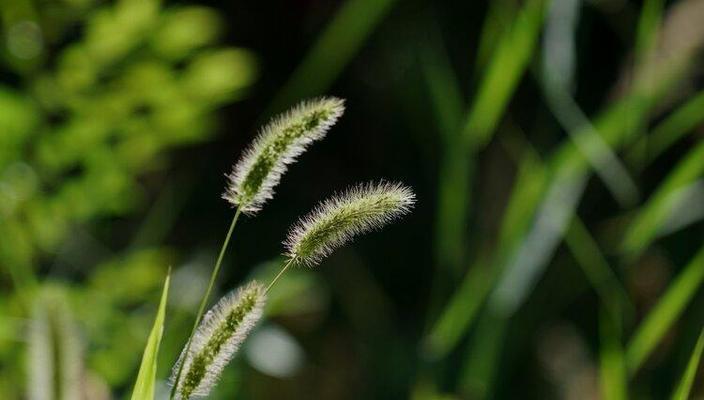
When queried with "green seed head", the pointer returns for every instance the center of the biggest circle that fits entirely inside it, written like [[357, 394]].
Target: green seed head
[[55, 362], [217, 339], [339, 219], [255, 175]]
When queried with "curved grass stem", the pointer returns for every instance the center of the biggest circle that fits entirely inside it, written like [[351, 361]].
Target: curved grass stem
[[206, 297], [288, 263]]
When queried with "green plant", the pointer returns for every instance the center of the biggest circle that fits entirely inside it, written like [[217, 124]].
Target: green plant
[[216, 337]]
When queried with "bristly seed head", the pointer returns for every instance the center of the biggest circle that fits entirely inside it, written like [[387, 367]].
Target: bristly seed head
[[337, 220], [55, 356], [216, 340], [259, 170]]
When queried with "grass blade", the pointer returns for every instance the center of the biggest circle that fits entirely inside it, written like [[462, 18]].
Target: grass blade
[[481, 367], [666, 199], [530, 259], [504, 71], [601, 276], [146, 378], [612, 369], [505, 68], [557, 83], [334, 49], [648, 27], [685, 385], [459, 313], [498, 18], [464, 305], [454, 176], [665, 312], [674, 127]]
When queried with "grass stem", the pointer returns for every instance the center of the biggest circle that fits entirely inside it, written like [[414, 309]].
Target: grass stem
[[206, 296], [276, 278]]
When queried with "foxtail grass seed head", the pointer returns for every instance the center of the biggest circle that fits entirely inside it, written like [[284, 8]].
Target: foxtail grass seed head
[[55, 356], [217, 339], [337, 220], [259, 170]]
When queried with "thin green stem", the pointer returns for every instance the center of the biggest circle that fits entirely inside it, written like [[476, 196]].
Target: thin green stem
[[289, 262], [204, 301]]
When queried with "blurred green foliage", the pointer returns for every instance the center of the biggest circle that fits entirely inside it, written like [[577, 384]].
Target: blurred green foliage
[[94, 96]]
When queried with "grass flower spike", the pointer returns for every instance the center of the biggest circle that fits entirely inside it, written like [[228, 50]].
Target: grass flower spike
[[55, 362], [339, 219], [218, 337], [255, 175]]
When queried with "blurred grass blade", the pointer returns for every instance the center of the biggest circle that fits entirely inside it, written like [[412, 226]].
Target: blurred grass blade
[[592, 146], [462, 308], [454, 176], [503, 73], [146, 379], [481, 361], [648, 27], [586, 252], [566, 161], [424, 390], [663, 202], [558, 82], [676, 125], [559, 44], [445, 95], [665, 312], [689, 211], [333, 50], [526, 266], [612, 368], [597, 270], [459, 313], [498, 18], [685, 384], [673, 128]]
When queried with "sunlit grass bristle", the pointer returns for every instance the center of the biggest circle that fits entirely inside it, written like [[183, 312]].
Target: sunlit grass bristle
[[217, 339], [340, 218], [259, 170], [55, 365]]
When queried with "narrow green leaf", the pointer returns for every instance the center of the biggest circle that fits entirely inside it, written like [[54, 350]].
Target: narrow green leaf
[[673, 128], [481, 366], [557, 81], [506, 66], [649, 220], [144, 387], [648, 27], [601, 276], [497, 21], [665, 312], [504, 71], [685, 385], [616, 124], [334, 49], [459, 313], [456, 164], [446, 98], [463, 307], [612, 369]]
